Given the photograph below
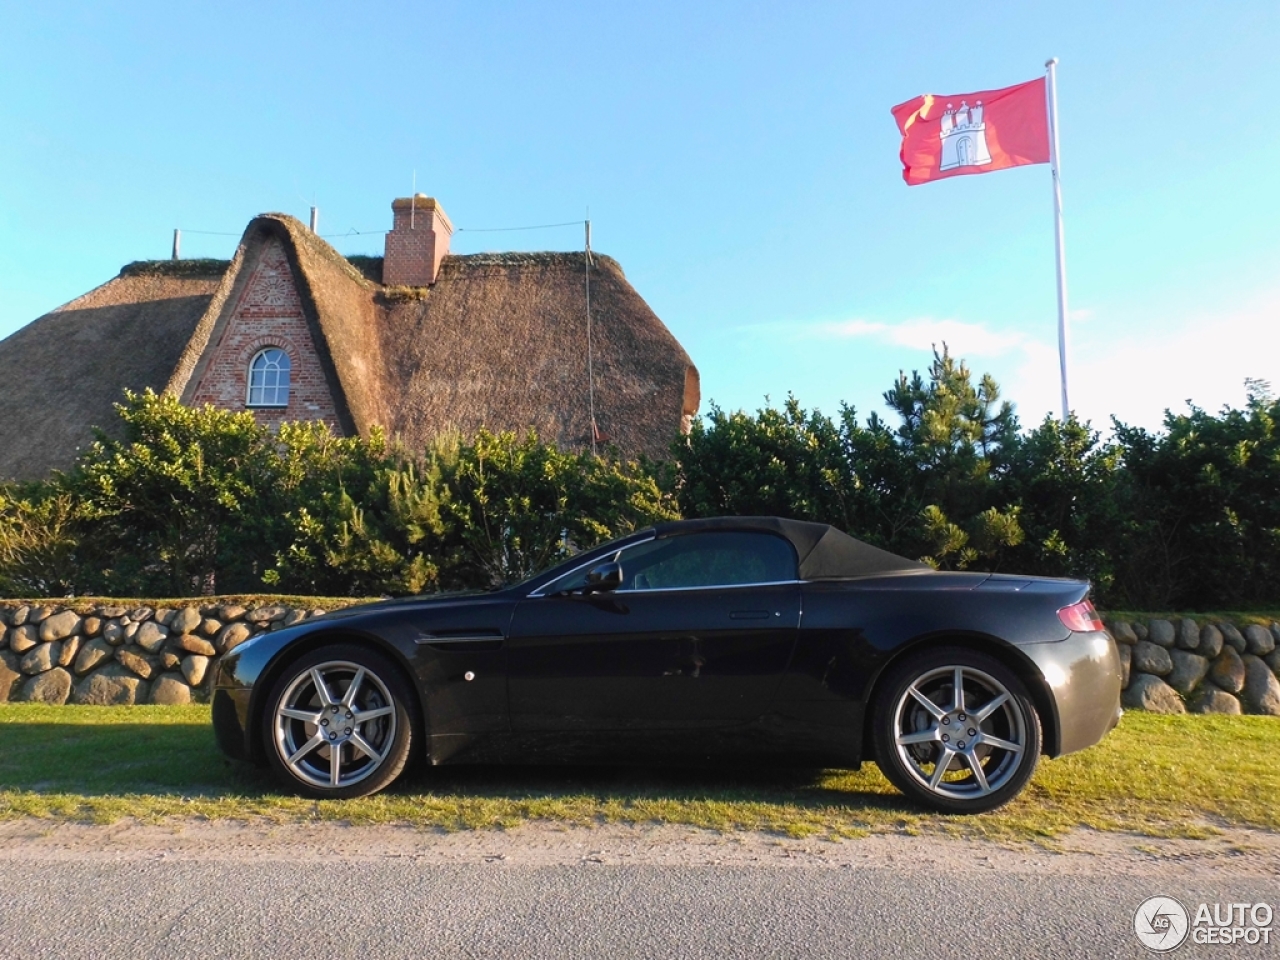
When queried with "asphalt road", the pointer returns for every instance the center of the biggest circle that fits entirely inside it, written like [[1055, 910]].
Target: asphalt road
[[910, 901]]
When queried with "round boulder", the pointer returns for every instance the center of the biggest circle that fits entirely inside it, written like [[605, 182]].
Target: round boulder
[[92, 654], [70, 647], [1261, 693], [232, 636], [1227, 670], [10, 674], [185, 620], [1122, 631], [41, 657], [1151, 658], [193, 644], [1188, 670], [1210, 641], [151, 636], [169, 691], [194, 668], [267, 613], [1188, 636], [1233, 638], [1126, 663], [50, 687], [1161, 633], [230, 611], [1258, 640], [1212, 700], [23, 638], [113, 633], [59, 626], [135, 663], [111, 685], [1153, 695]]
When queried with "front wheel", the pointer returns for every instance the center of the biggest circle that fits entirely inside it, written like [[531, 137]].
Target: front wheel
[[956, 730], [339, 723]]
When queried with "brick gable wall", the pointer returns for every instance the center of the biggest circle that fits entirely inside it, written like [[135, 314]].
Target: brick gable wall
[[268, 314]]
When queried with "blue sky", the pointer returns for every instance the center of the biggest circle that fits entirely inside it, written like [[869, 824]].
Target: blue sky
[[738, 159]]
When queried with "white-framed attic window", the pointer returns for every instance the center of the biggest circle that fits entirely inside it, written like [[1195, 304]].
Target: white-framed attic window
[[269, 379]]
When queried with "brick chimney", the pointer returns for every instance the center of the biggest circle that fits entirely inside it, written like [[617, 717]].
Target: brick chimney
[[418, 241]]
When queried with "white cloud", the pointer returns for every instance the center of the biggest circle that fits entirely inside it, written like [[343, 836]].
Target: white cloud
[[923, 333], [1137, 375], [1121, 365]]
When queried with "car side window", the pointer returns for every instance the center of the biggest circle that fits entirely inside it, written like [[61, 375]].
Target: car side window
[[707, 560], [696, 560]]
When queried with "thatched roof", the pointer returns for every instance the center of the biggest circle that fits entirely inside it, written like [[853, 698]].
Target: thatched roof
[[60, 375], [498, 341], [501, 341]]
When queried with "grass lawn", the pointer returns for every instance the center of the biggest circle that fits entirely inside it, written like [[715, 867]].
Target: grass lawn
[[1155, 775]]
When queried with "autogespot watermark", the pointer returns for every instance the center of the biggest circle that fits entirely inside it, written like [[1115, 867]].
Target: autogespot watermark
[[1163, 923]]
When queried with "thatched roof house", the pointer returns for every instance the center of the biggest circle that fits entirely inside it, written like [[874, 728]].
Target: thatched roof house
[[294, 331]]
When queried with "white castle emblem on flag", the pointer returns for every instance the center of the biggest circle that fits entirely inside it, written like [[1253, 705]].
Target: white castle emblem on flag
[[964, 137]]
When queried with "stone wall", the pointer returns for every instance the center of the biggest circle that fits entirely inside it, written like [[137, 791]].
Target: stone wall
[[1172, 666], [109, 654], [113, 654]]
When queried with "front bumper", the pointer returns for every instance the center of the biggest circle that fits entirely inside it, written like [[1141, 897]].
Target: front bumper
[[235, 682], [1082, 674]]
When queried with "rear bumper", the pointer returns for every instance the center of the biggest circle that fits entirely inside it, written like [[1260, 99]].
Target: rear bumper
[[1082, 674]]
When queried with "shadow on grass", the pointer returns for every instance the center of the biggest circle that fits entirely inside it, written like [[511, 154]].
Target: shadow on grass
[[182, 760]]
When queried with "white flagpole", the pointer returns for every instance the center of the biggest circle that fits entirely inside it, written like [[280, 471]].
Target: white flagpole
[[1055, 164]]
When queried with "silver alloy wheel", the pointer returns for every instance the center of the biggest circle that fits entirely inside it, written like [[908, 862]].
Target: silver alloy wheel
[[959, 732], [334, 724]]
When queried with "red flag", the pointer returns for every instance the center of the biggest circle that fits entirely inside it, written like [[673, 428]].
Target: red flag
[[973, 132]]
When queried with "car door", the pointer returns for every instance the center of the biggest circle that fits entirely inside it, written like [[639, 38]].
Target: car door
[[698, 635]]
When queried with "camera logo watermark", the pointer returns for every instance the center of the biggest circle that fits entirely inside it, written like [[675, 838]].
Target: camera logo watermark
[[1163, 923]]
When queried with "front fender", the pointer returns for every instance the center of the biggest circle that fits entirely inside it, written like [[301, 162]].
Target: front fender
[[243, 678]]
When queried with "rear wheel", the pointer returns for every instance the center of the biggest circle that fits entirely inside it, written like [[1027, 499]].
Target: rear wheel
[[957, 730], [339, 723]]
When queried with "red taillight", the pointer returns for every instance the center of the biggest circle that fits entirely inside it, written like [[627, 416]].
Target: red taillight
[[1081, 617]]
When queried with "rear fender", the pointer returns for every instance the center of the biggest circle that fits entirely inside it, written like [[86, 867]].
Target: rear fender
[[1007, 653]]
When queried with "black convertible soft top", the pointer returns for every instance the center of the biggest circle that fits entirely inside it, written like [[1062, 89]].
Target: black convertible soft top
[[825, 553]]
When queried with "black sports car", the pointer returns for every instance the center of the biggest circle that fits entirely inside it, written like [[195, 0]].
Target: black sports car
[[753, 639]]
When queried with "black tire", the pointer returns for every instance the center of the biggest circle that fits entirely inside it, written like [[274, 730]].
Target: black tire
[[372, 730], [990, 738]]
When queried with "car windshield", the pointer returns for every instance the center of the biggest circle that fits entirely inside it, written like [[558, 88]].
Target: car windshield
[[568, 562]]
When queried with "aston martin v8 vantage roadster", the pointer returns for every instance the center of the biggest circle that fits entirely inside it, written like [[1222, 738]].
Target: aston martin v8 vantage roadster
[[730, 639]]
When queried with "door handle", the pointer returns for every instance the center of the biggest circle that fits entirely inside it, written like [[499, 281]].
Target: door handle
[[749, 615]]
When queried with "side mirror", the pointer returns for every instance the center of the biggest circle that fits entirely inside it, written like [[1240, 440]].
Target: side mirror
[[603, 577]]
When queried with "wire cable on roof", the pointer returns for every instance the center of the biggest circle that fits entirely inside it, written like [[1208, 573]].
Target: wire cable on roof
[[541, 226], [350, 233], [361, 233]]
